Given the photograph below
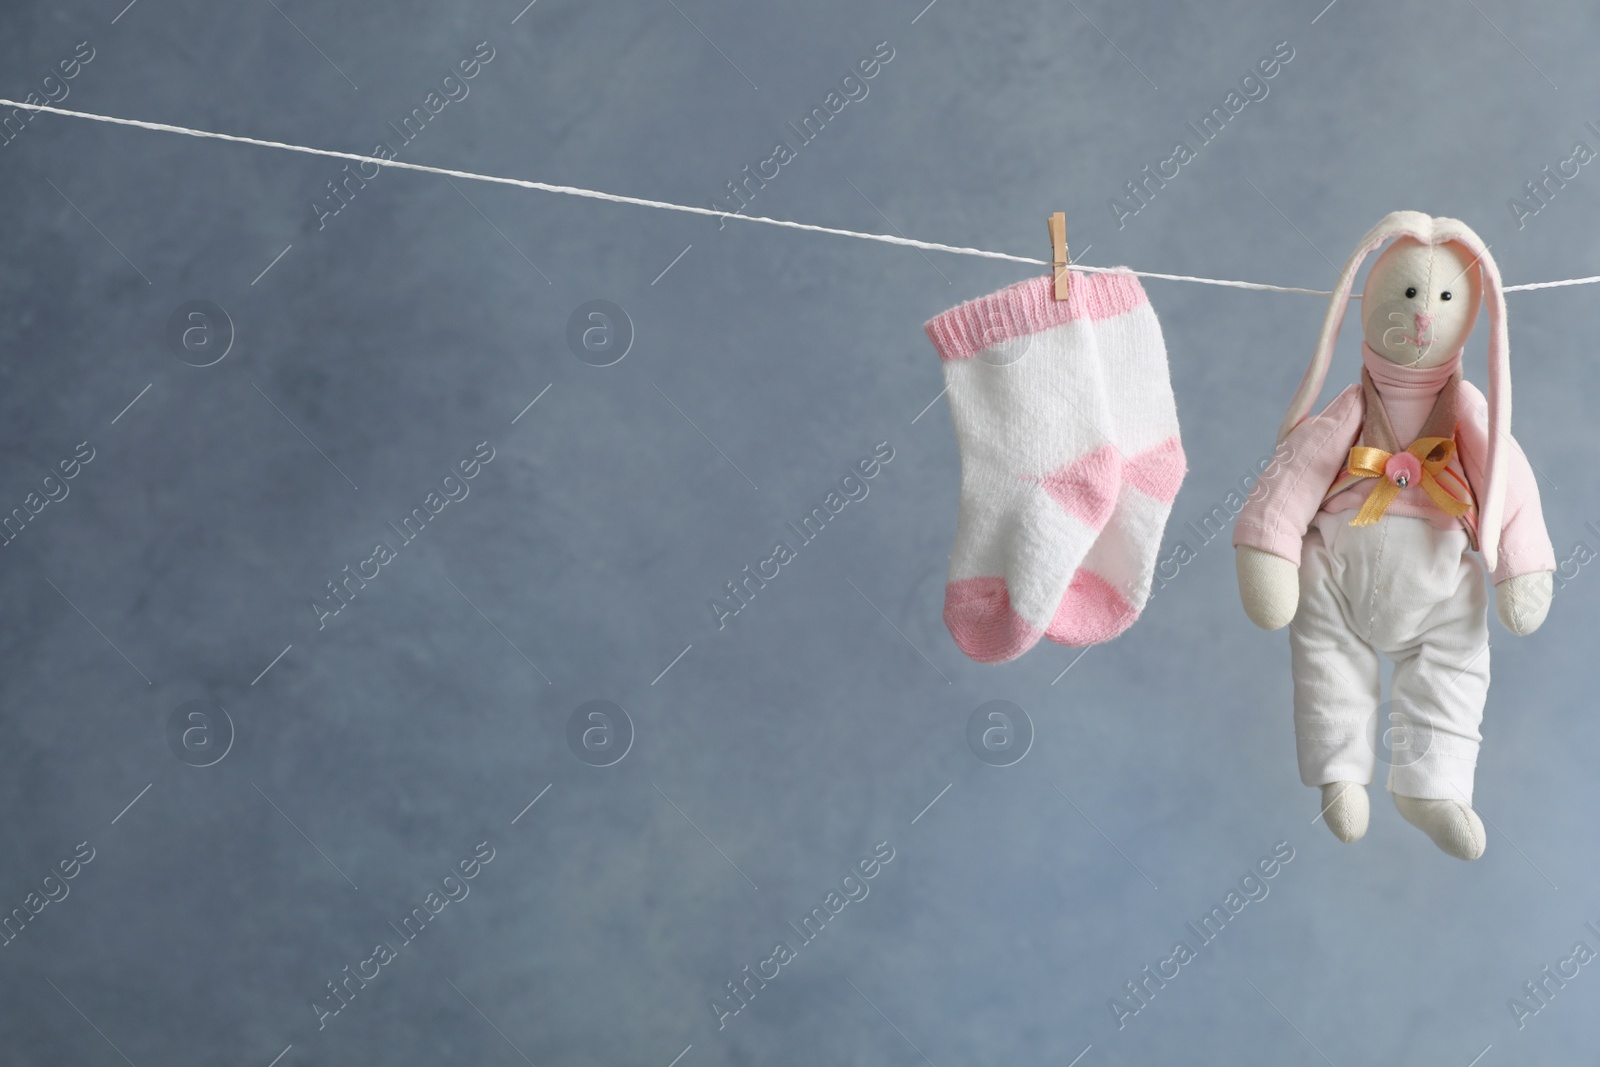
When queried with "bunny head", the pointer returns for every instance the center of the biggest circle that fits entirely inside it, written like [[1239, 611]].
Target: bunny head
[[1432, 256], [1420, 301]]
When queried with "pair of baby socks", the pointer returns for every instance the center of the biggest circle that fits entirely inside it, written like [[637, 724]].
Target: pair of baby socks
[[1070, 461]]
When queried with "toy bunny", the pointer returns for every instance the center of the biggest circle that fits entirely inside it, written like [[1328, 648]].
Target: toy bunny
[[1359, 536]]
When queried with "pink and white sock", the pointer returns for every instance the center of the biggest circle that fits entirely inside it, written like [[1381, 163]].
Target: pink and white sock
[[1070, 460]]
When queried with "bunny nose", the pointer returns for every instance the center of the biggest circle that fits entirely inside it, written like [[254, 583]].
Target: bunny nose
[[1424, 327]]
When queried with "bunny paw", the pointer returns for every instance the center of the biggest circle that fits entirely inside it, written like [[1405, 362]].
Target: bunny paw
[[1454, 826], [1345, 810]]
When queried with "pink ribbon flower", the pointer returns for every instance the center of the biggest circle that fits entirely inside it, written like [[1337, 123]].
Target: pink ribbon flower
[[1402, 469]]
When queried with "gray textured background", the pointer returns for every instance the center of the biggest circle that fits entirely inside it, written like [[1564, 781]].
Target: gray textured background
[[417, 324]]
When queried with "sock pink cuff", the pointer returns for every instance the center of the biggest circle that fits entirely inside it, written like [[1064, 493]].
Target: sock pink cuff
[[1030, 307]]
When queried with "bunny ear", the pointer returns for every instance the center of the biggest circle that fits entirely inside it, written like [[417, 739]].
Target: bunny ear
[[1395, 224], [1491, 509]]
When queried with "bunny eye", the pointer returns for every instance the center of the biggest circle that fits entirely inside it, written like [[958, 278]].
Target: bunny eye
[[1445, 295], [1412, 291]]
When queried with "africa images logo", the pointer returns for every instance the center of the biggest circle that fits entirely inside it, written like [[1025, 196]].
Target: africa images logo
[[852, 887], [742, 589]]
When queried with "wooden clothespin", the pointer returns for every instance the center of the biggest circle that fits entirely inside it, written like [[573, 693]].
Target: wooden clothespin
[[1058, 254]]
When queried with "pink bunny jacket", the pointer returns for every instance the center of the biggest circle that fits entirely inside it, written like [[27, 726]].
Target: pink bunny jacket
[[1313, 457]]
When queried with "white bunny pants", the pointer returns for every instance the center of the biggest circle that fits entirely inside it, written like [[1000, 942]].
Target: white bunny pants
[[1416, 594]]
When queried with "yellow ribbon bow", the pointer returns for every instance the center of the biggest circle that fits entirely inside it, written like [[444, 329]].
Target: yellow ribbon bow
[[1433, 455]]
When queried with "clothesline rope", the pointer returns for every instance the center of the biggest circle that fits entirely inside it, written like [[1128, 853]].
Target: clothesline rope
[[662, 205]]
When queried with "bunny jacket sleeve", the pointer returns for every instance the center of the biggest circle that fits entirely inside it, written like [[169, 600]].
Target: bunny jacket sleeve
[[1291, 490]]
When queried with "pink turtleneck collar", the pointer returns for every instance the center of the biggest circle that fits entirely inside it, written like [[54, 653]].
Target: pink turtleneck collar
[[1408, 393], [1394, 380]]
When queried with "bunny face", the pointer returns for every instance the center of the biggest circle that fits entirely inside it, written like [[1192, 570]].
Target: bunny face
[[1420, 301]]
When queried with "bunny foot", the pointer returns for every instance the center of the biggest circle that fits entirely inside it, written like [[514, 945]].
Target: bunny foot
[[1454, 826], [1345, 810]]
